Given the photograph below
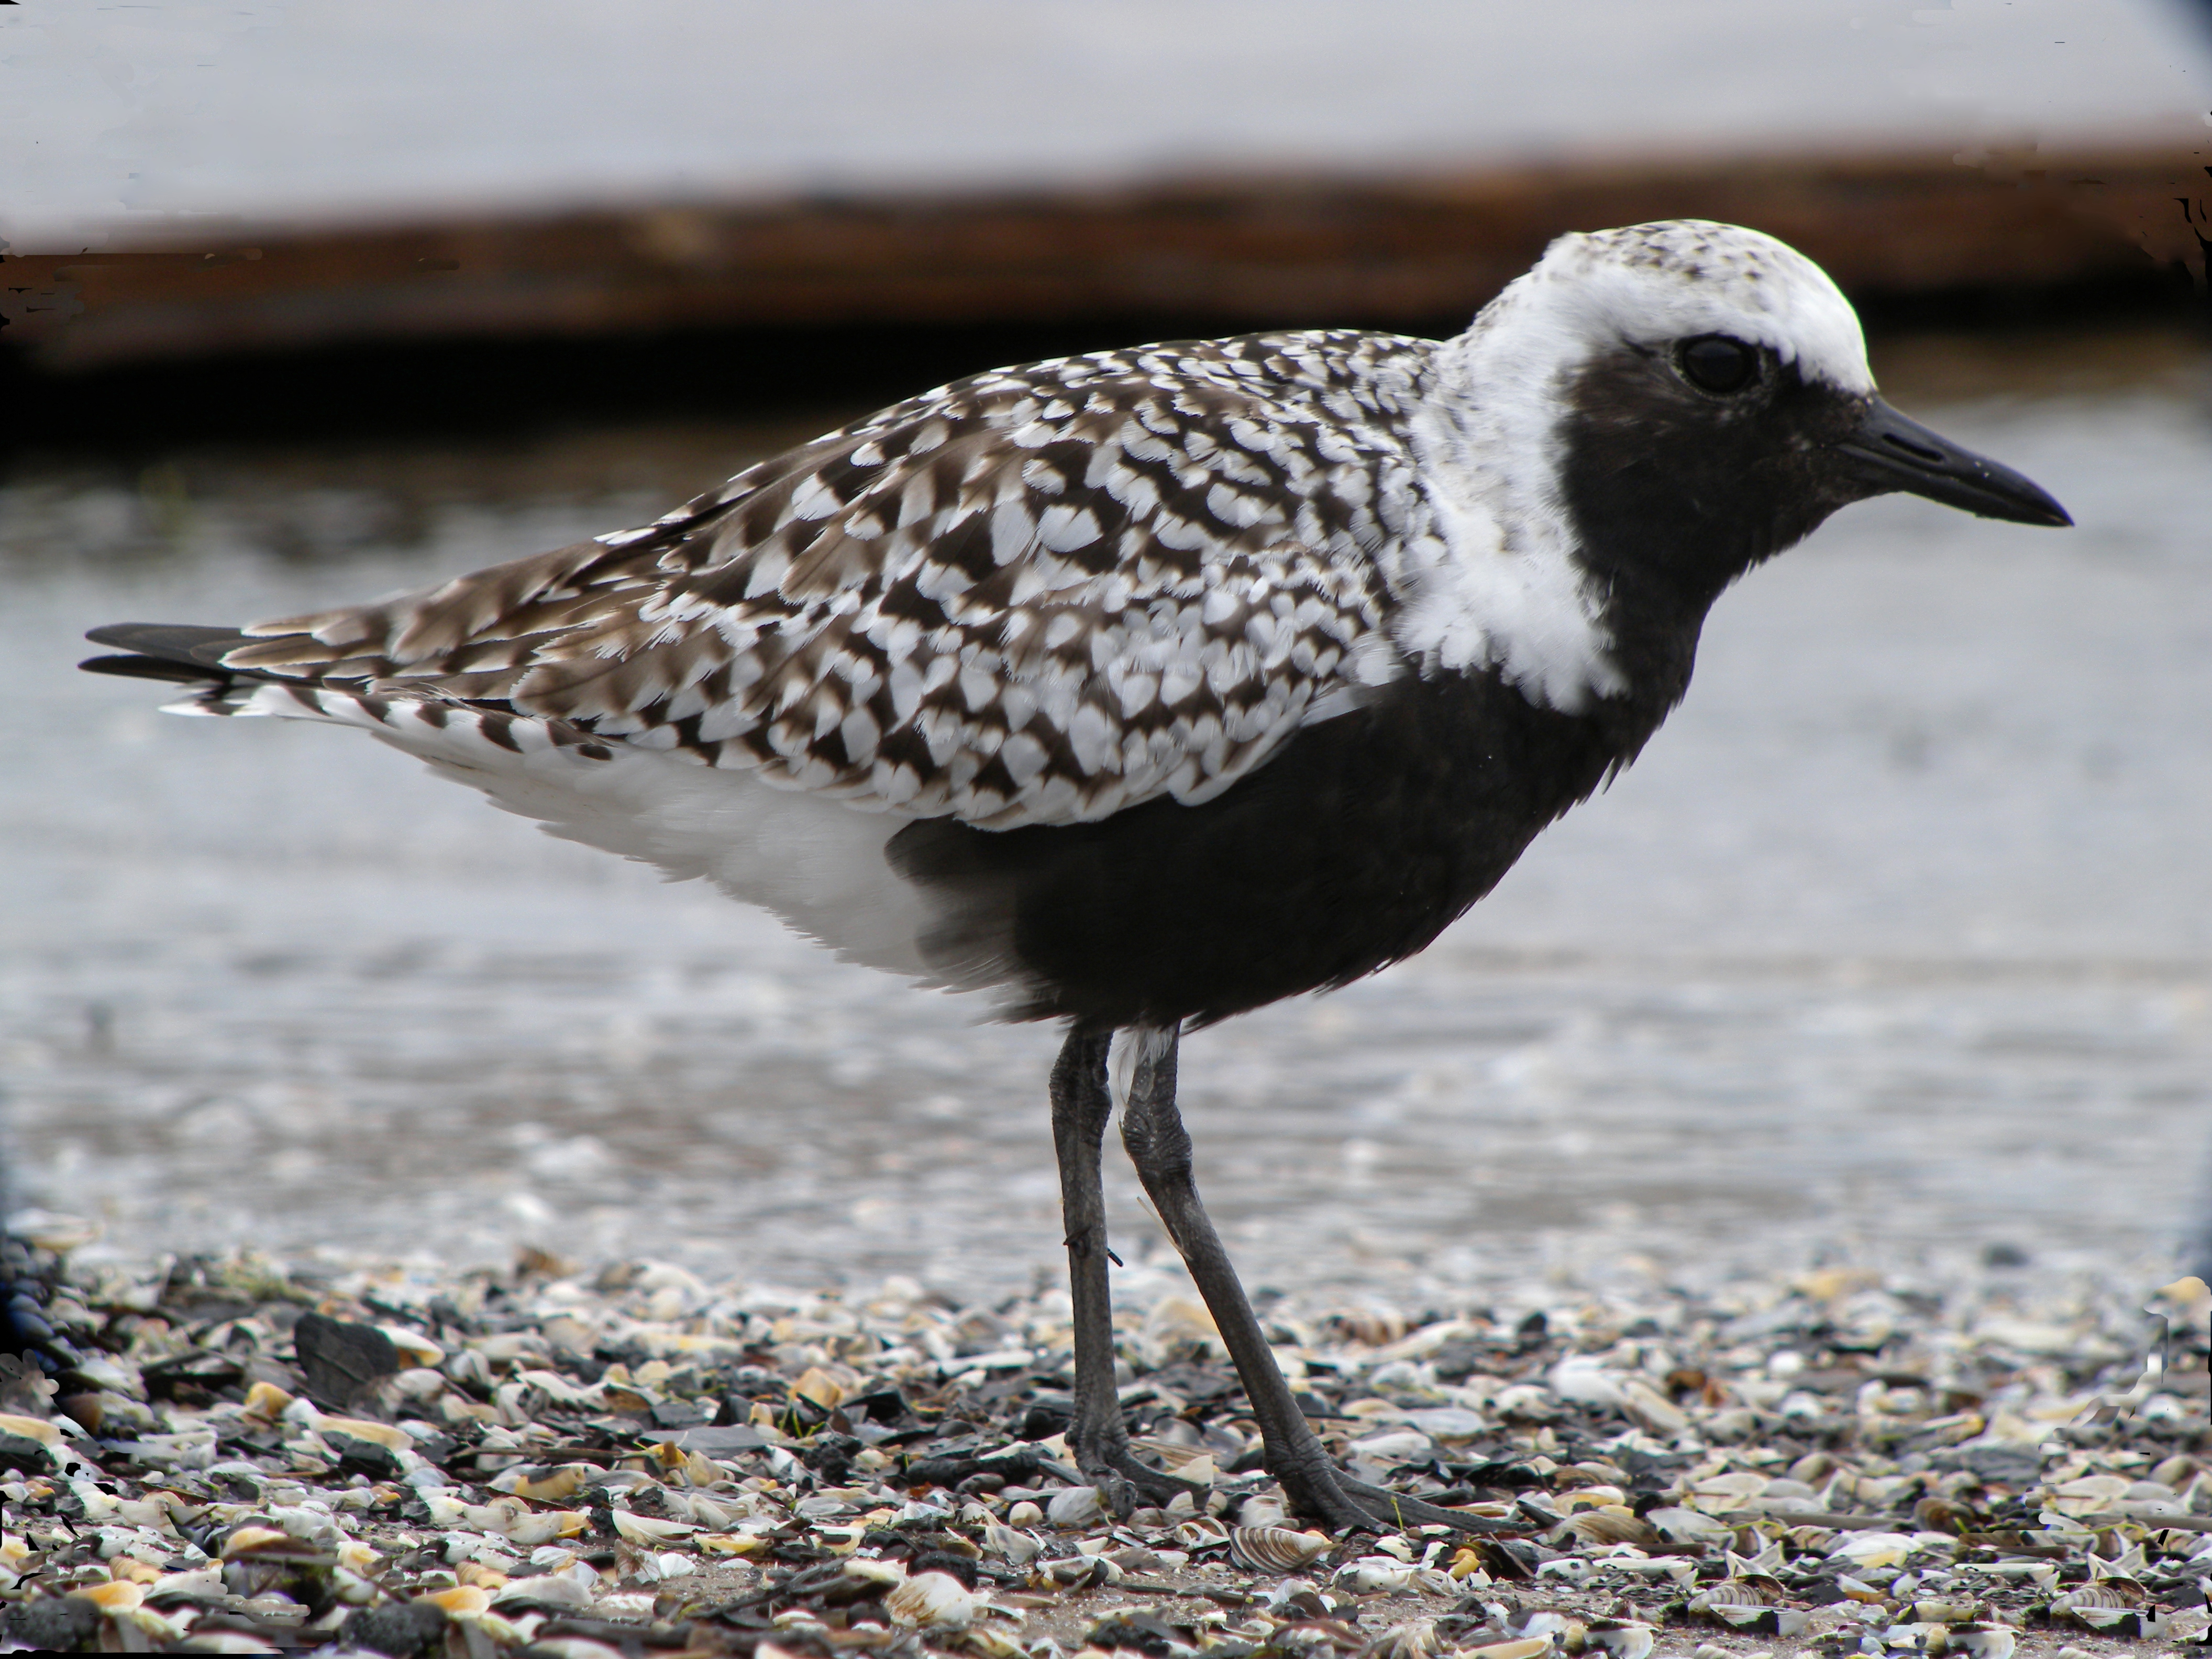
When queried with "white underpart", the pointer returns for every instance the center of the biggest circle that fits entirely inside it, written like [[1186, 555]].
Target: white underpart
[[811, 859], [1498, 585]]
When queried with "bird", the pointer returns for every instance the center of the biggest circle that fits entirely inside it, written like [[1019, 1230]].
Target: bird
[[1137, 688]]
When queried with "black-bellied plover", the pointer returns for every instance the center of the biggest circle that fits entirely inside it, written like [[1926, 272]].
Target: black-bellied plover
[[1142, 687]]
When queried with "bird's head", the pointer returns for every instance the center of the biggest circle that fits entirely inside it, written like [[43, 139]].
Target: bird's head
[[1698, 396]]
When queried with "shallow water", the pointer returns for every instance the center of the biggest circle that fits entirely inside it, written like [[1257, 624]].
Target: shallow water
[[1897, 944]]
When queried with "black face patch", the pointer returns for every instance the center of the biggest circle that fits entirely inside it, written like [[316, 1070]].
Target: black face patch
[[1675, 492]]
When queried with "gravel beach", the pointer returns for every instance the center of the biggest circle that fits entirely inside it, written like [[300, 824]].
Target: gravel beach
[[243, 1457]]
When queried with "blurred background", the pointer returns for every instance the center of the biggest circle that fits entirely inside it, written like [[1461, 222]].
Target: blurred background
[[1895, 949]]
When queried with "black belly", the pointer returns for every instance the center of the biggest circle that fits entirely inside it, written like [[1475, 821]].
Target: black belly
[[1354, 846]]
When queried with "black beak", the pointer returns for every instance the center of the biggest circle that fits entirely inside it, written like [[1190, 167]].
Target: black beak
[[1890, 453]]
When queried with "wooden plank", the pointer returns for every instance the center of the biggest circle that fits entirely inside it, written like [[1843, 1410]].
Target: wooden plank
[[1253, 253]]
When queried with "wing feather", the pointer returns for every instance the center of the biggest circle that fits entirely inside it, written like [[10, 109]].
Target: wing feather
[[1041, 596]]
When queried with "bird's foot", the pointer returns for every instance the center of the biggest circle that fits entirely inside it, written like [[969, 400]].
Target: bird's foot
[[1123, 1483], [1343, 1505]]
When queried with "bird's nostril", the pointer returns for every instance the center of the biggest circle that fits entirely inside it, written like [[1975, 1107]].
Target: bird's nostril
[[1918, 452]]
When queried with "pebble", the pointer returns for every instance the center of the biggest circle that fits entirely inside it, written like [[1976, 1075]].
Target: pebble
[[246, 1456]]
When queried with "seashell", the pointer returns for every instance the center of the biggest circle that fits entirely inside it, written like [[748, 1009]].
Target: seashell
[[1756, 1590], [2126, 1564], [118, 1595], [1203, 1470], [1766, 1564], [1017, 1548], [418, 1382], [413, 1346], [1448, 1424], [543, 1485], [265, 1402], [1277, 1549], [1371, 1573], [533, 1530], [1978, 1640], [1526, 1402], [508, 1347], [545, 1589], [1395, 1446], [1947, 1610], [462, 1601], [2177, 1471], [389, 1435], [2102, 1592], [1539, 1622], [1620, 1639], [203, 1585], [256, 1542], [933, 1601], [2088, 1494], [1025, 1514], [1525, 1647], [707, 1511], [1874, 1550], [989, 1640], [1499, 1559], [1652, 1411], [1613, 1525], [1595, 1496], [645, 1529], [888, 1573], [1723, 1494], [1200, 1532], [1416, 1638], [1467, 1566], [1170, 1455], [1908, 1637], [817, 1386], [1076, 1506], [1687, 1526], [731, 1543]]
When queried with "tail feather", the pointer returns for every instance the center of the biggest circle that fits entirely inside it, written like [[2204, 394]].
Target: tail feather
[[168, 651]]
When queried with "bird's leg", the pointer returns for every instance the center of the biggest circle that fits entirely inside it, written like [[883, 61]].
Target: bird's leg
[[1081, 1104], [1159, 1145]]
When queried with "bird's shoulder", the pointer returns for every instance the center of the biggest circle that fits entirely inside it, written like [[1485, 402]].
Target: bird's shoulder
[[1039, 594]]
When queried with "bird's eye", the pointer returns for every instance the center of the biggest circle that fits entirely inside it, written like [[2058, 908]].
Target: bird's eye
[[1715, 364]]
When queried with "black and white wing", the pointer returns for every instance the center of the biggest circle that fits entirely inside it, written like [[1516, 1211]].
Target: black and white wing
[[1038, 596]]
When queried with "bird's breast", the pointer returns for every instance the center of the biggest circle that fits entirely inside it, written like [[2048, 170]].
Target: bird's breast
[[1352, 847]]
